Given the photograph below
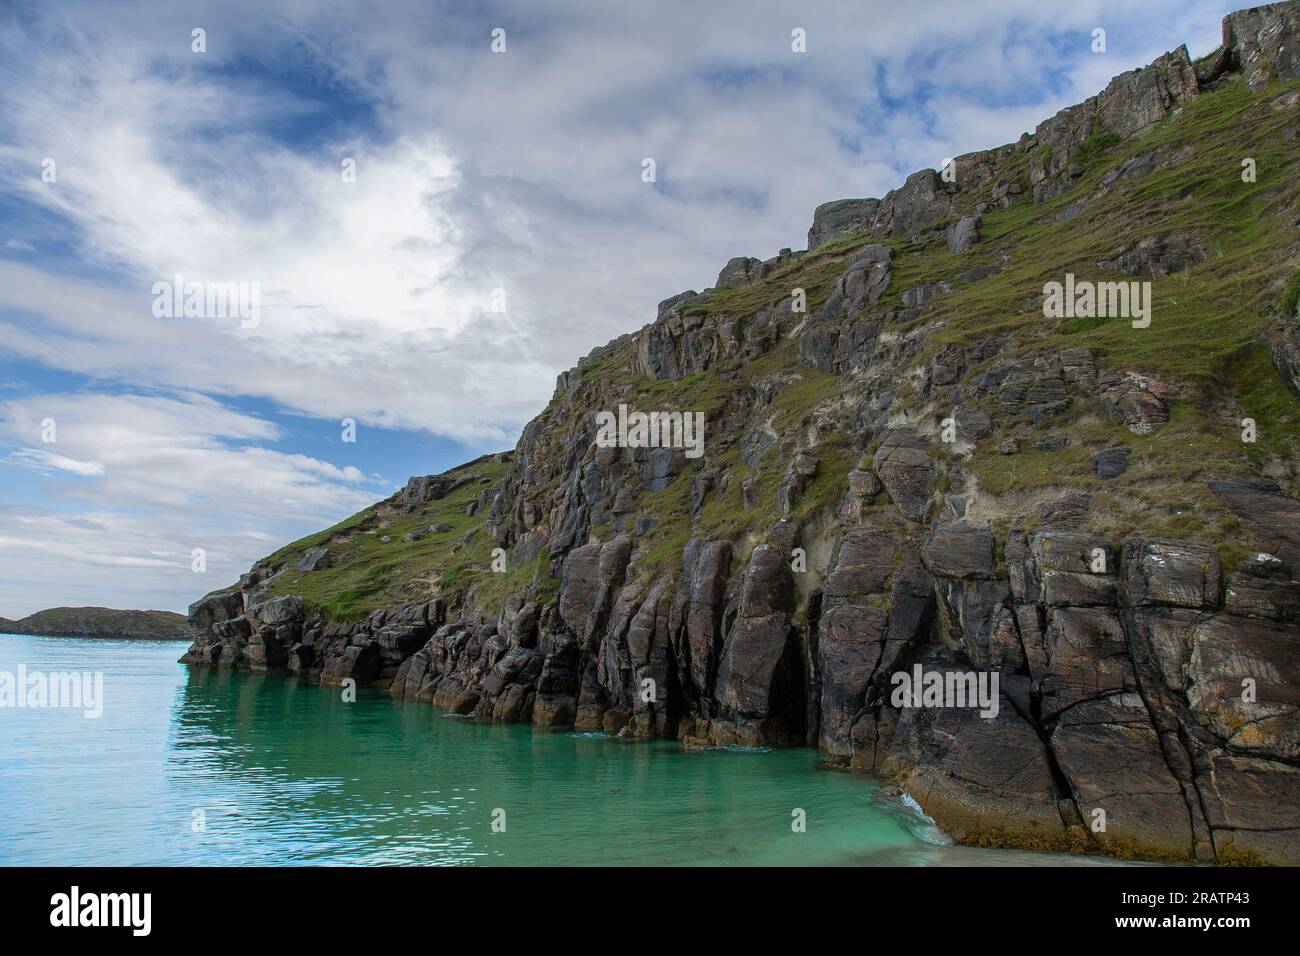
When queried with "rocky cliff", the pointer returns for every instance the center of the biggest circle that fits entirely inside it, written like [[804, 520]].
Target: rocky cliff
[[102, 622], [910, 461]]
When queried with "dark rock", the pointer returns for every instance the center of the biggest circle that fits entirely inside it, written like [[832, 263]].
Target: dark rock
[[1134, 102], [862, 491], [1068, 511], [1111, 462], [215, 607], [1055, 443], [904, 467], [704, 618], [961, 550], [1072, 211], [314, 559], [919, 295], [281, 610], [1223, 653], [864, 280], [1263, 587], [1156, 257], [984, 781], [760, 677], [423, 489], [1112, 757], [972, 423], [1034, 388], [1136, 167], [1272, 516], [1174, 573]]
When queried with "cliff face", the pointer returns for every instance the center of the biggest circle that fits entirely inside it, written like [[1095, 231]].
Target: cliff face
[[910, 462], [102, 622]]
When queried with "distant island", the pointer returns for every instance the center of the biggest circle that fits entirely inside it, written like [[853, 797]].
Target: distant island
[[101, 622]]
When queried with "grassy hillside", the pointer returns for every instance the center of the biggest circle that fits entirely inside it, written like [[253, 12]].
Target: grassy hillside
[[104, 622], [373, 565], [1205, 341]]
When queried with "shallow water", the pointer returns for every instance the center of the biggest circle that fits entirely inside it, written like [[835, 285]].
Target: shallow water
[[206, 767]]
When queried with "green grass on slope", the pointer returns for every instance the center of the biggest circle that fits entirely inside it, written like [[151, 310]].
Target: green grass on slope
[[368, 573], [1203, 341]]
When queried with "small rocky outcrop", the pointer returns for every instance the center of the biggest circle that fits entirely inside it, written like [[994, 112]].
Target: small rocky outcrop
[[316, 559], [1263, 43], [1139, 402], [963, 234], [1157, 257], [843, 217], [105, 622]]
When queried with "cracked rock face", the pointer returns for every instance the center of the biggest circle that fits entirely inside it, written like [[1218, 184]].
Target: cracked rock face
[[1264, 41], [904, 467]]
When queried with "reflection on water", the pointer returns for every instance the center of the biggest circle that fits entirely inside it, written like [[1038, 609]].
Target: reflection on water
[[205, 767]]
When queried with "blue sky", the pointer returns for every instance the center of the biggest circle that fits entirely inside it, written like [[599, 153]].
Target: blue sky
[[482, 179]]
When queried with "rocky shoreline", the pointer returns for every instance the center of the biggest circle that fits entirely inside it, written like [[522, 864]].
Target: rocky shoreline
[[1149, 686]]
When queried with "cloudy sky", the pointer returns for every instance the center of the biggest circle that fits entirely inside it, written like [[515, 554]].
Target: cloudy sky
[[497, 228]]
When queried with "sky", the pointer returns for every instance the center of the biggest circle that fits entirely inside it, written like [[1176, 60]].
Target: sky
[[426, 230]]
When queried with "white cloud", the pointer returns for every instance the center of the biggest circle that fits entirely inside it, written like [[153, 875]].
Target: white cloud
[[518, 171], [152, 478], [45, 461]]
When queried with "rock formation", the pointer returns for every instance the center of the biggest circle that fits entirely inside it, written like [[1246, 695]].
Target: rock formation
[[909, 465]]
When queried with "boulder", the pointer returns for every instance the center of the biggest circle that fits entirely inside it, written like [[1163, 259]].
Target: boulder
[[843, 217], [962, 235], [862, 491], [1111, 462], [215, 607], [281, 610], [314, 559], [739, 272]]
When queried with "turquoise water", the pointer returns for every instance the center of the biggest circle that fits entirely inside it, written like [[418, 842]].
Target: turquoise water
[[205, 767]]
